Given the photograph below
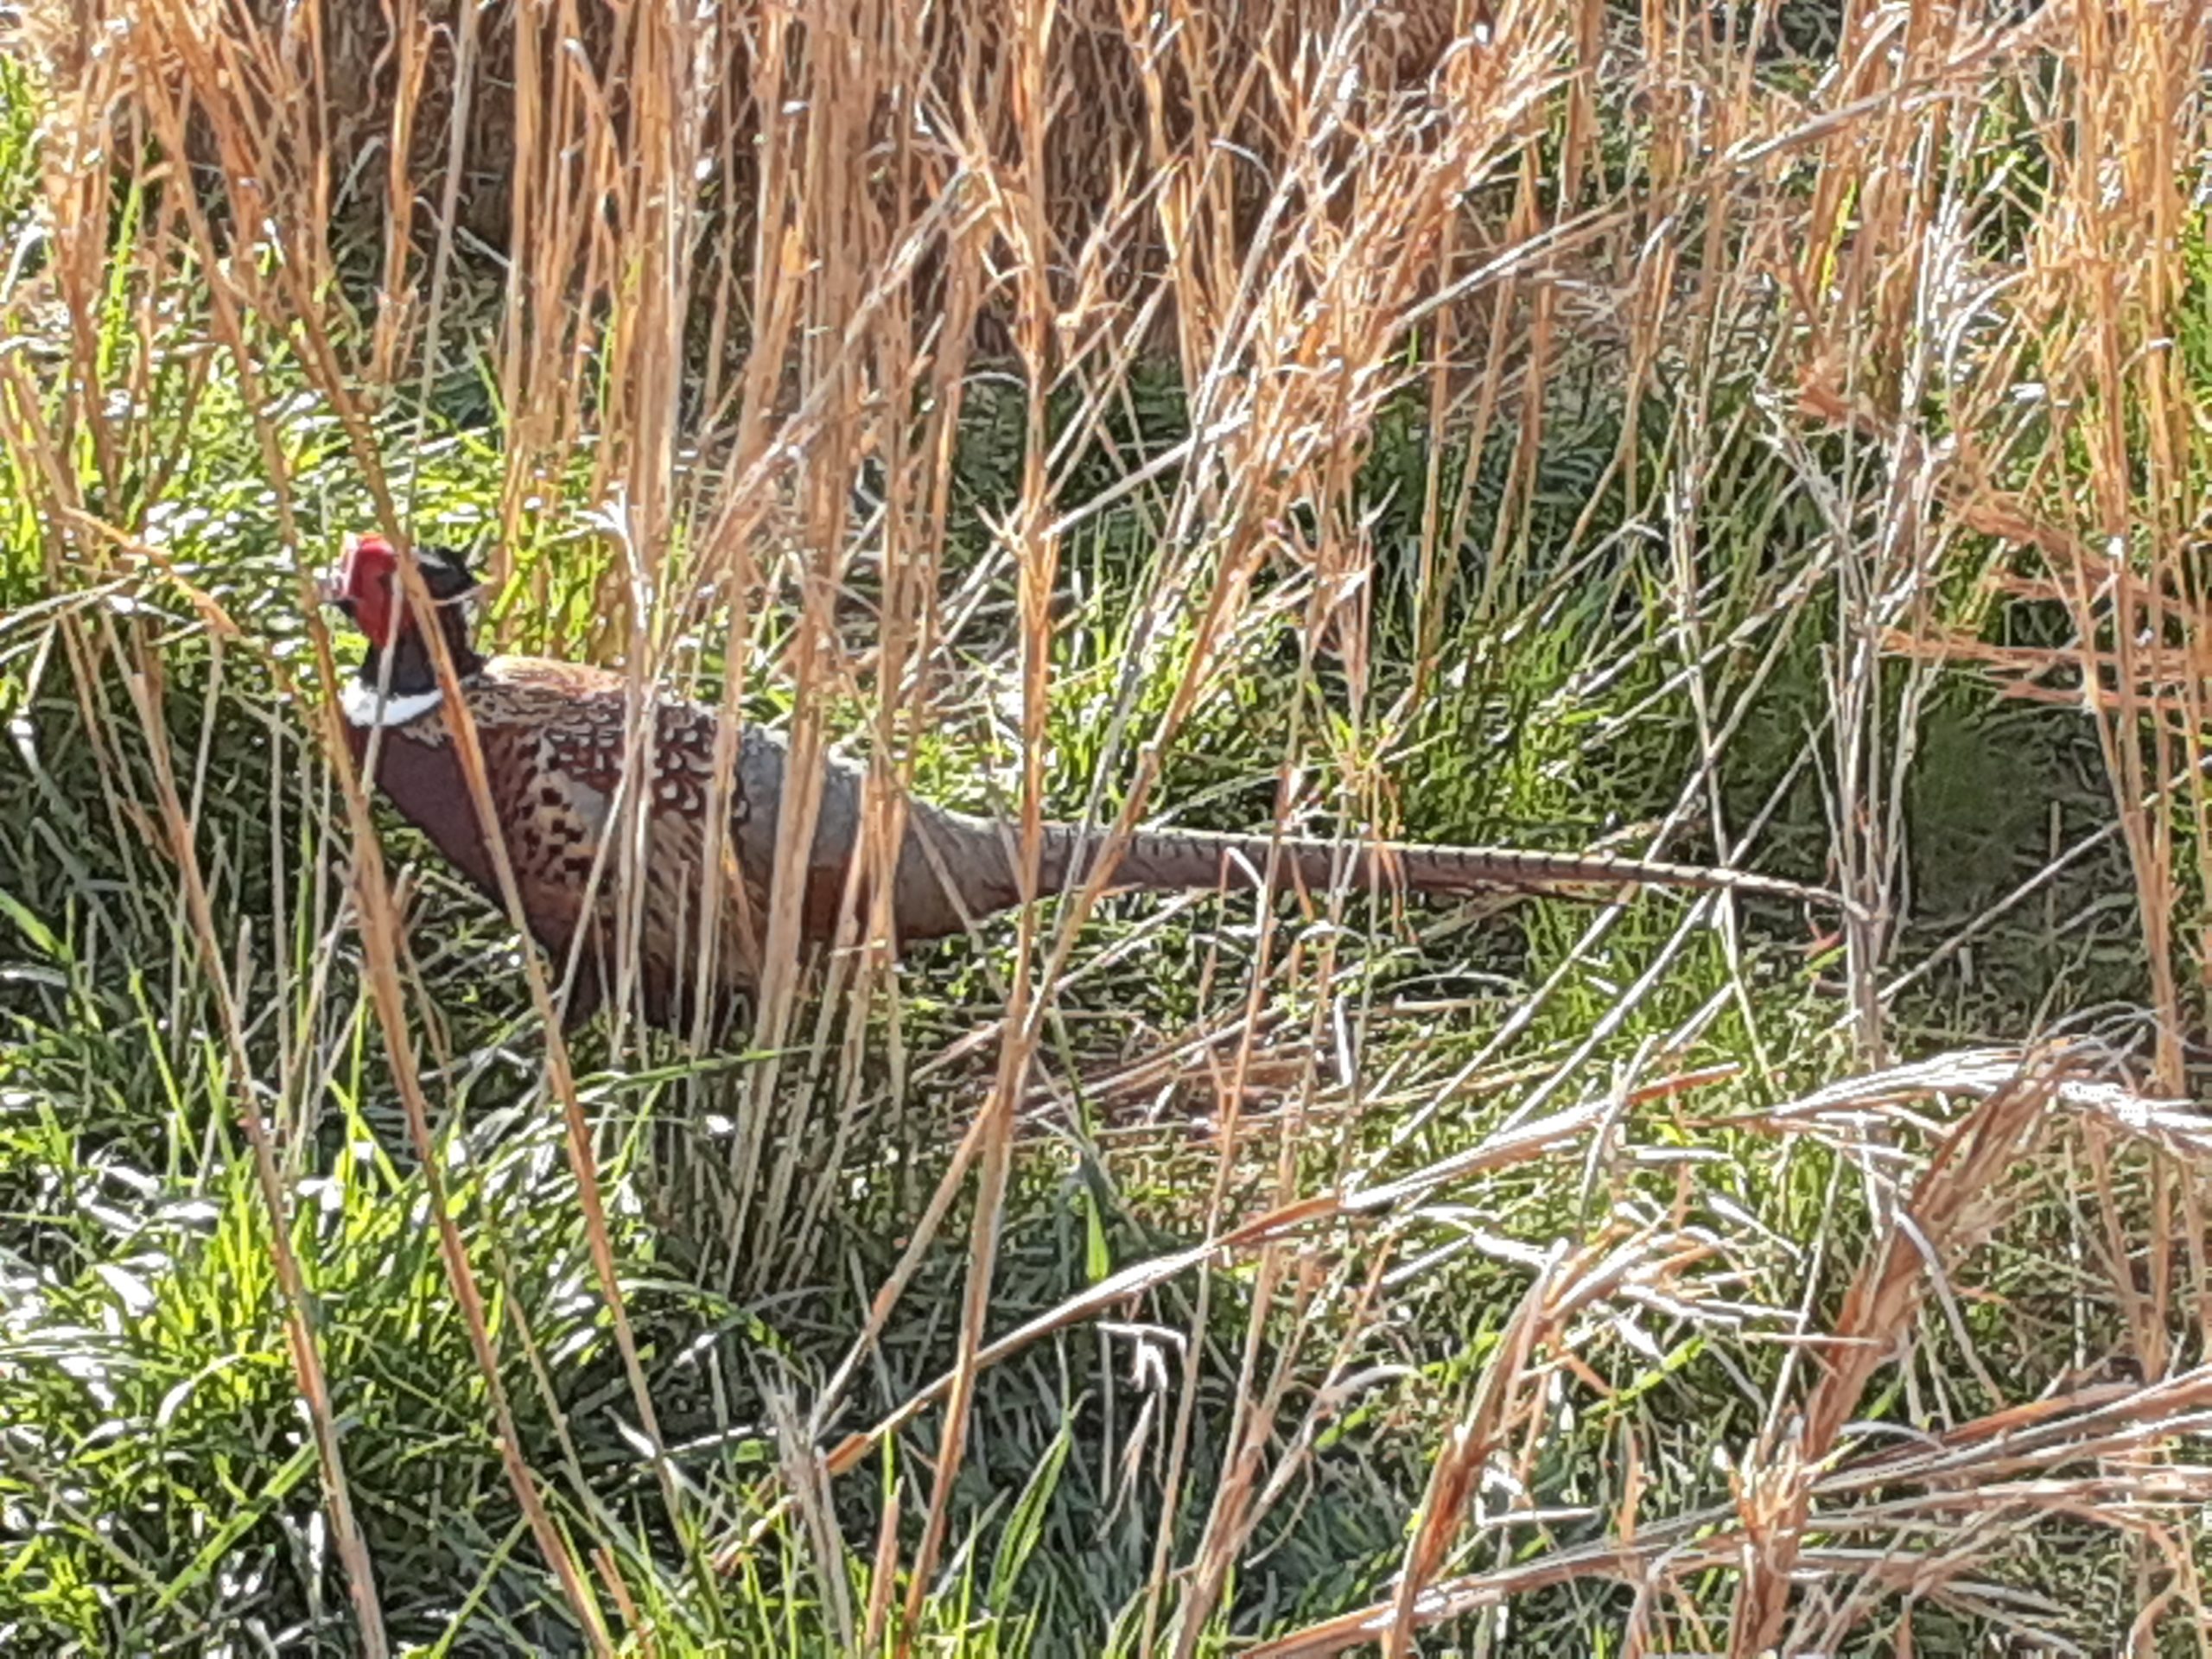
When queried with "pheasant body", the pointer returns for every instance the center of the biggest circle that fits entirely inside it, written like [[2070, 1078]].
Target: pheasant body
[[555, 742]]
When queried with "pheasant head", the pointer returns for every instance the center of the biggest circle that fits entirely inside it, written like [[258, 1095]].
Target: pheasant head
[[367, 588]]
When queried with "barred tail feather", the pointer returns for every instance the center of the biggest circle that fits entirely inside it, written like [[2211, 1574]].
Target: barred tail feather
[[956, 868], [1186, 859]]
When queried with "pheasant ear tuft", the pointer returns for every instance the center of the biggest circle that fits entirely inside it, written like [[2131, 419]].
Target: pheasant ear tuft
[[445, 570]]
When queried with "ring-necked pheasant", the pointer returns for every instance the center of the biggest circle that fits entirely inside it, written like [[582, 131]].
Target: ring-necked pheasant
[[554, 738]]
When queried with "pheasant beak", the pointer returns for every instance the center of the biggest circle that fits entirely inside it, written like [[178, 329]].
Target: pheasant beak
[[337, 586], [330, 589]]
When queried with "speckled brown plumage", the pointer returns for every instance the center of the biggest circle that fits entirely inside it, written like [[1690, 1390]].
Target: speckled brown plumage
[[553, 740]]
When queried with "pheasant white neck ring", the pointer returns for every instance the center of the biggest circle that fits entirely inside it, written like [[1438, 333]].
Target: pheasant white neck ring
[[362, 706]]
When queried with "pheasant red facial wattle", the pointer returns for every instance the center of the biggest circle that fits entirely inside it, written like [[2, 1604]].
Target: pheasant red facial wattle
[[367, 586], [555, 738]]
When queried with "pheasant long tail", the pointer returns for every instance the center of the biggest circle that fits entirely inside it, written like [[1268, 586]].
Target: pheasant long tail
[[1198, 859], [955, 868]]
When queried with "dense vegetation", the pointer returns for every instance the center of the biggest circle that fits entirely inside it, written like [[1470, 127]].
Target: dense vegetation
[[1772, 439]]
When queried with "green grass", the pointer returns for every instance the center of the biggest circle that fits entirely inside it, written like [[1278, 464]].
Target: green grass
[[158, 1479], [159, 1482], [149, 1358]]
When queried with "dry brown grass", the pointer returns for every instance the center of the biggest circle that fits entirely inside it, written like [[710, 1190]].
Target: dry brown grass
[[754, 261]]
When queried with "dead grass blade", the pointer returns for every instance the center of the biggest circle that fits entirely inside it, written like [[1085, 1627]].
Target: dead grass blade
[[1889, 1518]]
